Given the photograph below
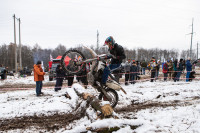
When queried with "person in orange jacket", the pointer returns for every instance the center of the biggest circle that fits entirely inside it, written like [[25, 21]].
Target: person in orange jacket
[[38, 77]]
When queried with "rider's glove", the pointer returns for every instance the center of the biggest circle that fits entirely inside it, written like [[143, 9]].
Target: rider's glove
[[109, 56], [98, 58], [115, 57]]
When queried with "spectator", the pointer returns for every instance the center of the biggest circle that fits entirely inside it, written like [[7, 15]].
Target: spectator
[[175, 69], [83, 75], [157, 69], [179, 70], [149, 67], [153, 68], [70, 77], [165, 70], [133, 71], [143, 65], [138, 70], [188, 69], [184, 65], [60, 75], [127, 68], [4, 73], [171, 69], [38, 77]]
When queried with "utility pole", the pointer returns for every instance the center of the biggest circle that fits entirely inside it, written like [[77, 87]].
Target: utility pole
[[15, 47], [97, 42], [20, 46], [191, 40]]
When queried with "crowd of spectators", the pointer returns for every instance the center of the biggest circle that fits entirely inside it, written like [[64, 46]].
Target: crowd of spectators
[[172, 70], [168, 70]]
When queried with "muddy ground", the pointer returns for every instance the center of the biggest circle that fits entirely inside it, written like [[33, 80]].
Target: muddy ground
[[57, 121], [25, 85]]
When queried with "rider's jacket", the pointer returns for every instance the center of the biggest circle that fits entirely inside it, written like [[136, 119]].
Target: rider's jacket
[[118, 52]]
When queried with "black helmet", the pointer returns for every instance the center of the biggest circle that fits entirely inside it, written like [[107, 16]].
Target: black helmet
[[39, 62]]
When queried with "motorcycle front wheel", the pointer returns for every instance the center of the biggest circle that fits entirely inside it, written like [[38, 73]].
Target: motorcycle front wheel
[[112, 94], [71, 61]]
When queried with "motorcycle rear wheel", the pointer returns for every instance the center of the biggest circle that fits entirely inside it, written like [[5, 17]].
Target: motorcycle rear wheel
[[113, 95]]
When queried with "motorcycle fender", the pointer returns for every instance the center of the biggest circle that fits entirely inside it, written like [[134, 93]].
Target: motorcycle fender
[[115, 86]]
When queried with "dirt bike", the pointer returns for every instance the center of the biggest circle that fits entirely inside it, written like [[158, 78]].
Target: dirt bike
[[73, 62]]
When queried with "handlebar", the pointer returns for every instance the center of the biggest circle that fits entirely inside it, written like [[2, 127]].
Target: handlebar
[[99, 57]]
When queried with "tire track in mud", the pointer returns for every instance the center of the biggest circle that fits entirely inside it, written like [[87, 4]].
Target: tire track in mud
[[49, 123], [58, 121], [25, 85], [135, 107]]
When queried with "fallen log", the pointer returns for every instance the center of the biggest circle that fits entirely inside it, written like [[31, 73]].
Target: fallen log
[[106, 110]]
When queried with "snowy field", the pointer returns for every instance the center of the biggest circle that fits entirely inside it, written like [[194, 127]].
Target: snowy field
[[13, 81], [170, 107]]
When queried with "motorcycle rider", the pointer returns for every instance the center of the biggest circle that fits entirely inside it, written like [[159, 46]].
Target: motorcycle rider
[[117, 55]]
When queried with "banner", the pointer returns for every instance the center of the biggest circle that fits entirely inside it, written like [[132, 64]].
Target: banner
[[51, 58]]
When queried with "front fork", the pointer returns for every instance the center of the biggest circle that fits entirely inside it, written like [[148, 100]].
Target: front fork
[[106, 94], [102, 90]]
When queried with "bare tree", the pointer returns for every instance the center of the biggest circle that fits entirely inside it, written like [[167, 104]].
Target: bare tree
[[185, 54], [11, 56], [32, 55], [59, 50], [3, 55], [27, 57]]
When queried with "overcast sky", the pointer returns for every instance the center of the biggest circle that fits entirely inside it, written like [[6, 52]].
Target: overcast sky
[[133, 23]]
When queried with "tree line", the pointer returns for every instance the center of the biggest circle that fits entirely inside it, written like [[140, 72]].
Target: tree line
[[30, 55]]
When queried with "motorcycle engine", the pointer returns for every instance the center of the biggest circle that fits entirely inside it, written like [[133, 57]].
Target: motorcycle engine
[[90, 78]]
